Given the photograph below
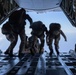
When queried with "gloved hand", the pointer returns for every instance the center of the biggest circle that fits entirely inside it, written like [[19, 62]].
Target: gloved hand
[[66, 39]]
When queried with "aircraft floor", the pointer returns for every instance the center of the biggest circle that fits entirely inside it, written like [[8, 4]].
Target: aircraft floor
[[39, 64]]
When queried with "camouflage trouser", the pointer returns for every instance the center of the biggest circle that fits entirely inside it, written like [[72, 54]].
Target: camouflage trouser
[[22, 44], [56, 43], [42, 42], [33, 44], [41, 38]]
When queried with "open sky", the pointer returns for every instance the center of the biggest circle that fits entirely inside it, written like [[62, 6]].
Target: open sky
[[47, 18]]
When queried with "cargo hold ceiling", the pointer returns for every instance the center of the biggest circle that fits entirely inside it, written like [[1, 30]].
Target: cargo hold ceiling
[[39, 5]]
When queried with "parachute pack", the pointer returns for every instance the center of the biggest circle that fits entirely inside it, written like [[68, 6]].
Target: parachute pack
[[6, 28], [54, 26], [16, 17], [37, 26]]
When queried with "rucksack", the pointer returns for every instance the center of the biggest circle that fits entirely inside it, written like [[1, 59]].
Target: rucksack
[[54, 29], [54, 26], [17, 20], [17, 17], [38, 25], [6, 28]]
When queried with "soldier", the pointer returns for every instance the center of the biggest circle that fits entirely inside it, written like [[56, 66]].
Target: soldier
[[38, 29], [17, 26], [54, 34], [33, 44]]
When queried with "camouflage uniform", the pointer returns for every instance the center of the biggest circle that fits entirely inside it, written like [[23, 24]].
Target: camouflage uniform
[[17, 24], [54, 34], [38, 29], [33, 44]]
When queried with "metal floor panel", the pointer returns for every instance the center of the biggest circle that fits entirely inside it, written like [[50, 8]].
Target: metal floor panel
[[39, 64]]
